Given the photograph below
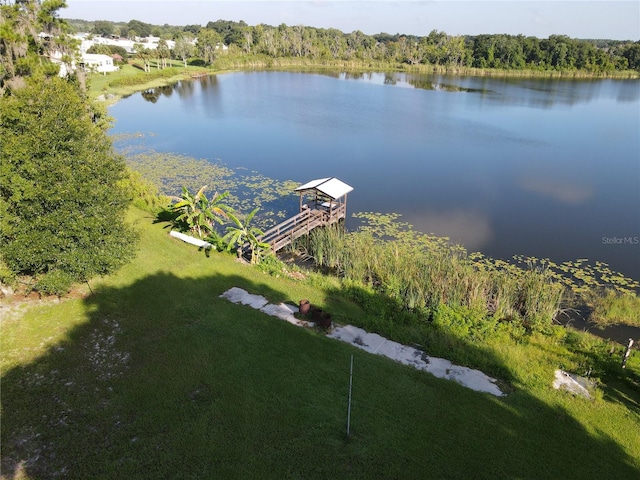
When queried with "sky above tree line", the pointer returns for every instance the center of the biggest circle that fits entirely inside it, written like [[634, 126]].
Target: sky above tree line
[[602, 19]]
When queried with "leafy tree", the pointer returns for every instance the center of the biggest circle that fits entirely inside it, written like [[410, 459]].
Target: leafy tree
[[100, 48], [247, 39], [183, 49], [241, 233], [191, 209], [62, 207], [209, 41], [23, 50], [141, 29], [455, 51], [532, 52], [267, 40], [631, 53], [109, 50], [231, 32], [335, 42], [217, 209], [103, 28], [192, 29]]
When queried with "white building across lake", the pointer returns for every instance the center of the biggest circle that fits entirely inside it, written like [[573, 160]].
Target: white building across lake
[[98, 62]]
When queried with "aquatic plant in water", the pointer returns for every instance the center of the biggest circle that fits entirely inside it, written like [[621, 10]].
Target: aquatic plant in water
[[170, 172], [424, 271]]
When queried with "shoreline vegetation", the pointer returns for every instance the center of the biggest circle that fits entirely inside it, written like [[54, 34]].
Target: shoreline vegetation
[[224, 46], [602, 296], [130, 79], [417, 273]]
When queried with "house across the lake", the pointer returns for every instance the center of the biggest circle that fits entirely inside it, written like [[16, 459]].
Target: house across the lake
[[98, 62]]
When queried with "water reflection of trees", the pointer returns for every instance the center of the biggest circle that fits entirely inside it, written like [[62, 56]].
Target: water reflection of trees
[[429, 83], [538, 92], [184, 88], [153, 94], [208, 82]]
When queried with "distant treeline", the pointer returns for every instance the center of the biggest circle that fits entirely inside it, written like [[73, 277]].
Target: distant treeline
[[511, 52]]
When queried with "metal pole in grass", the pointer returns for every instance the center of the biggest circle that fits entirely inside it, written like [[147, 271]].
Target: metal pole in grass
[[349, 409], [627, 353]]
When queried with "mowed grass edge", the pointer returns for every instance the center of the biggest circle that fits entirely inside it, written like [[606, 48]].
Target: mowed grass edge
[[155, 376]]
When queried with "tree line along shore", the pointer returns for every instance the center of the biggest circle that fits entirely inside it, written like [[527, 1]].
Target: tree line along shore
[[437, 49]]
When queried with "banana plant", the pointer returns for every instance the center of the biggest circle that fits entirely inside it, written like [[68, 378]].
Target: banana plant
[[199, 212], [217, 210], [241, 233]]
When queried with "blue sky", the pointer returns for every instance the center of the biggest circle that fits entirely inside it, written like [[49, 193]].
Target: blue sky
[[612, 19]]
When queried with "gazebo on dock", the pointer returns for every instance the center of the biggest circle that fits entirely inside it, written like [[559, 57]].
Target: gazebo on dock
[[326, 195], [325, 204]]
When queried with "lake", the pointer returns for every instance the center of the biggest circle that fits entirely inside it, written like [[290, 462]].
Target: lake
[[540, 167]]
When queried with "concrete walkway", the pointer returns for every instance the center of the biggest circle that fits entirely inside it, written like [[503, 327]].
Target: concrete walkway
[[375, 344]]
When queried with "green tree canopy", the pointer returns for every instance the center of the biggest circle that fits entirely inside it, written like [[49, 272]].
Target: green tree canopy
[[108, 50], [209, 42], [183, 50], [62, 209], [141, 29], [103, 27], [30, 32]]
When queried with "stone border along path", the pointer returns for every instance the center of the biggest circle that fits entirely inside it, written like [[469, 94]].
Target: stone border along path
[[374, 343]]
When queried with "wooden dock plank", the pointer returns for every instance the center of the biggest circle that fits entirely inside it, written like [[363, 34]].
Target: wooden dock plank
[[300, 224]]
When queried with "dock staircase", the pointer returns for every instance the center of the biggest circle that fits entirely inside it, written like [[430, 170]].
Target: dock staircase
[[328, 205], [301, 224]]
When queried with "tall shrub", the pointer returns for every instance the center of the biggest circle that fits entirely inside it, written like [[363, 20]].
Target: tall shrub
[[61, 201]]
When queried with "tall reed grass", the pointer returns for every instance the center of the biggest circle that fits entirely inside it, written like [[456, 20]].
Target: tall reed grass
[[422, 273]]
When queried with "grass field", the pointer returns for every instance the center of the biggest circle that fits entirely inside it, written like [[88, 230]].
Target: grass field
[[99, 83], [154, 376]]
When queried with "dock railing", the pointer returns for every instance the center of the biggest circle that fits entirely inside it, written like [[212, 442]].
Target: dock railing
[[301, 224]]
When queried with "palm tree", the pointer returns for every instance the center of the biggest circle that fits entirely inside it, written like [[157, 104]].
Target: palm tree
[[144, 54], [163, 53], [242, 233]]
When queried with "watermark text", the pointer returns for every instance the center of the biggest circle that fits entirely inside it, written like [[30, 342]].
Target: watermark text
[[621, 240]]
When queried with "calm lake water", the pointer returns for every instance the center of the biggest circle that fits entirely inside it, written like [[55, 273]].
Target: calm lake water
[[547, 168]]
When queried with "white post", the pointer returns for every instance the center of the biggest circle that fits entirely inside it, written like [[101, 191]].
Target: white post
[[349, 409], [627, 353]]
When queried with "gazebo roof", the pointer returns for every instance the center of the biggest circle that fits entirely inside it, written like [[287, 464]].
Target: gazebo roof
[[331, 187]]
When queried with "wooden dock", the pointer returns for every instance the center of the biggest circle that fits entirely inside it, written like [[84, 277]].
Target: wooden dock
[[301, 224], [328, 205]]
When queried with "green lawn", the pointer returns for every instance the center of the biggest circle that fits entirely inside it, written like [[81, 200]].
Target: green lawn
[[99, 83], [155, 376]]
